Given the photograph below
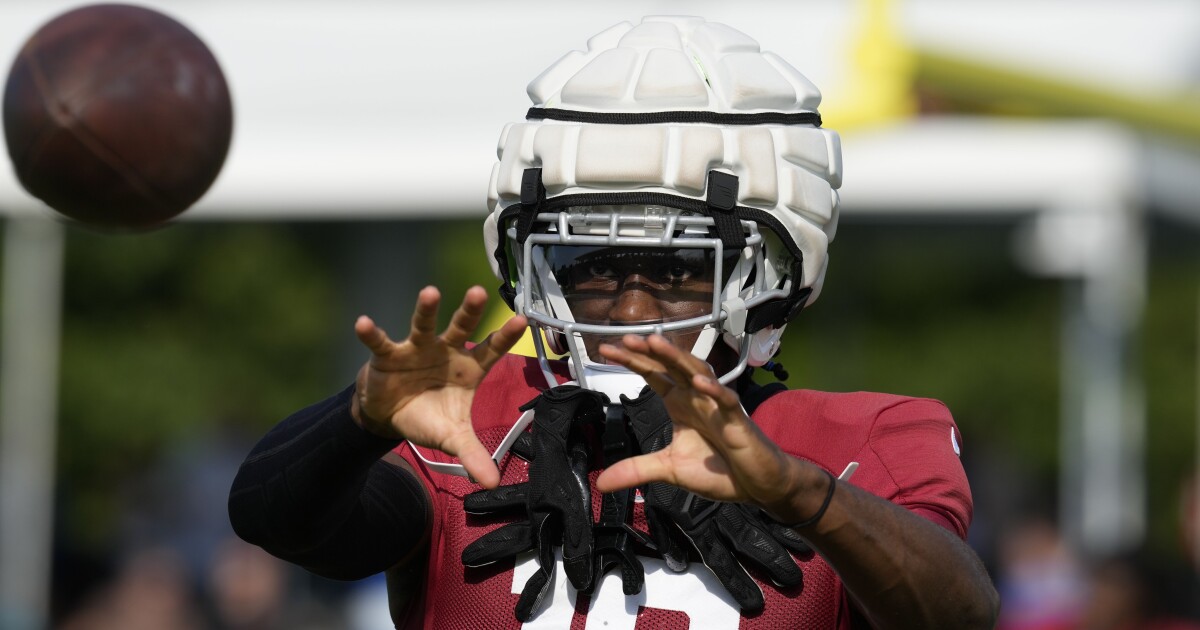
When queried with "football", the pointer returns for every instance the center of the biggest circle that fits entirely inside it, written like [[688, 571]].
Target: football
[[117, 116]]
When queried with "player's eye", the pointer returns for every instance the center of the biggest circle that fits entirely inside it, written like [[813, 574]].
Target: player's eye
[[679, 273], [676, 271], [601, 270]]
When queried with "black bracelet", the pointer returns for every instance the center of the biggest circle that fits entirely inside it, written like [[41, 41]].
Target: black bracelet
[[824, 505]]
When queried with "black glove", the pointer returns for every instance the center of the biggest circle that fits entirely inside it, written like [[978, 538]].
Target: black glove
[[786, 536], [557, 498], [715, 529], [613, 533]]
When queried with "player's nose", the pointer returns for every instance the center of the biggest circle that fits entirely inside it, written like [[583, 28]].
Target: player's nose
[[635, 303]]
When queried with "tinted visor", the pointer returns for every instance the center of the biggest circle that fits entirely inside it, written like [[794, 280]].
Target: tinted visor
[[635, 285]]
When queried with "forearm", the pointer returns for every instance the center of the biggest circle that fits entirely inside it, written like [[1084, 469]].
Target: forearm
[[901, 569], [315, 492]]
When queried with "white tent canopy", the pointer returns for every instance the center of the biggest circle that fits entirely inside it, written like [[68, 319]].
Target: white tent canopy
[[379, 109]]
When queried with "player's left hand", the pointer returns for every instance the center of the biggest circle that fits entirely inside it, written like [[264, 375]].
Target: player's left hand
[[716, 450]]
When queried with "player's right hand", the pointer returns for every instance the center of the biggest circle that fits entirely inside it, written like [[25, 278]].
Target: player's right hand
[[420, 389]]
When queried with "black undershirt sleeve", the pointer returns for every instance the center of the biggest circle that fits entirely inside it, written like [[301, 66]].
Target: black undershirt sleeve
[[315, 492]]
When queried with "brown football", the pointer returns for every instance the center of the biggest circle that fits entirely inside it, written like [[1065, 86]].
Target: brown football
[[117, 116]]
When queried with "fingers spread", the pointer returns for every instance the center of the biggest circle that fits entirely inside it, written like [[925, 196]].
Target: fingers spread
[[466, 317], [725, 397], [680, 365], [474, 457], [500, 342], [424, 319], [631, 354], [372, 336], [634, 471]]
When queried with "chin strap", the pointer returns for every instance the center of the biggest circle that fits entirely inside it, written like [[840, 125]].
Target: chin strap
[[533, 193], [721, 199]]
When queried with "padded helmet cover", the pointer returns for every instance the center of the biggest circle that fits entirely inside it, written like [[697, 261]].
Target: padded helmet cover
[[653, 108]]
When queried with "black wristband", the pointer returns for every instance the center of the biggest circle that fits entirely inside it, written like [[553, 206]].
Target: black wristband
[[815, 518]]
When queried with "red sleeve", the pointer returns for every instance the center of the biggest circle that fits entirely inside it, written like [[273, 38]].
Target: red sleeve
[[918, 444]]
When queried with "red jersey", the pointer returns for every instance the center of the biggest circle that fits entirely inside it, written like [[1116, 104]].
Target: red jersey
[[907, 450]]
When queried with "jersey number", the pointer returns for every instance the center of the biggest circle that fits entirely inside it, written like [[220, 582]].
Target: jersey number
[[695, 593]]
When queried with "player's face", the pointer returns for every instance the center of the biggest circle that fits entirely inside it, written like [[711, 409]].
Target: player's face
[[623, 286]]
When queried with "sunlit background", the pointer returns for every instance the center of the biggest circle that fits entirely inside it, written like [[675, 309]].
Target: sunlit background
[[1018, 239]]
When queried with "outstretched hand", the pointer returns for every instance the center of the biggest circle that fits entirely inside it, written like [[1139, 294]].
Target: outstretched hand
[[420, 389], [716, 451]]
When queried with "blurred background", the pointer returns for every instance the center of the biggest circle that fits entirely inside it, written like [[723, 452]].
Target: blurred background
[[1019, 238]]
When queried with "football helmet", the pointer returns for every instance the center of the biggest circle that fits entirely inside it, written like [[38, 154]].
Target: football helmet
[[677, 151]]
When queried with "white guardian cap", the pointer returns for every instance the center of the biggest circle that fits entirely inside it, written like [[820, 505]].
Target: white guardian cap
[[679, 138]]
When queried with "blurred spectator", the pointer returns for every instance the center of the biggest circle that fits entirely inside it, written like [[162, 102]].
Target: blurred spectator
[[151, 591], [179, 565], [1115, 598], [1133, 593], [179, 500], [1041, 582], [248, 587]]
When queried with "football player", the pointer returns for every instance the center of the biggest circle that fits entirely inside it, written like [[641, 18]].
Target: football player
[[657, 220]]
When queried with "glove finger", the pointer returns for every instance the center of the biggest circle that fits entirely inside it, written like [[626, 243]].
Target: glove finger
[[545, 535], [649, 420], [755, 544], [496, 499], [576, 511], [577, 564], [718, 558], [533, 594], [633, 574], [789, 538], [499, 544], [661, 529], [784, 535]]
